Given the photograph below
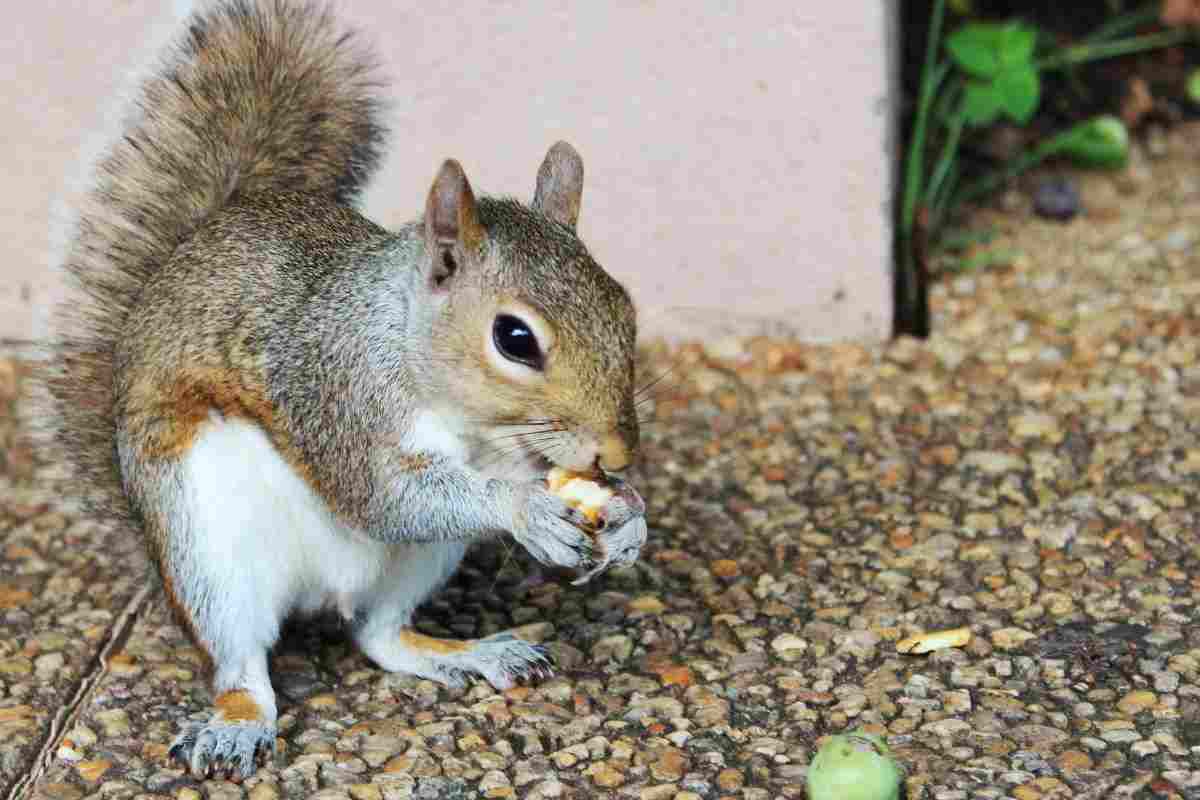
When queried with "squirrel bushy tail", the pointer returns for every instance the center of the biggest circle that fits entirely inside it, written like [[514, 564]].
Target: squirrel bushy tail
[[258, 95]]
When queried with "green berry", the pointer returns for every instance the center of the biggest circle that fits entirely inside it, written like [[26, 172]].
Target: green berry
[[1193, 86], [857, 766]]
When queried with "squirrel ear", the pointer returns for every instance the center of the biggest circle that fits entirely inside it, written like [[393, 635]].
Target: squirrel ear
[[560, 185], [452, 228]]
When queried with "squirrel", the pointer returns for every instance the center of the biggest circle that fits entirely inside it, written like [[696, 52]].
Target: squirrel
[[302, 410]]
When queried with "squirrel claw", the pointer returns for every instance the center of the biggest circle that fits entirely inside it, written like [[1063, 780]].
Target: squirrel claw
[[234, 749]]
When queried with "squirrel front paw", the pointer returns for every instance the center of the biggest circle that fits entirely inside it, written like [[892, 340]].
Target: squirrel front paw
[[624, 532], [224, 747], [551, 530]]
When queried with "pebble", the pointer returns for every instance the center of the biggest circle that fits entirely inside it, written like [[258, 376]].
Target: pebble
[[1120, 736], [993, 462], [1166, 681], [1143, 747], [617, 648], [1056, 197], [789, 647], [1136, 702], [1070, 761], [947, 728], [1010, 638], [1037, 736]]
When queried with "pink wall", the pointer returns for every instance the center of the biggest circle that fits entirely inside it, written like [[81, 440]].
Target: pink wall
[[737, 162]]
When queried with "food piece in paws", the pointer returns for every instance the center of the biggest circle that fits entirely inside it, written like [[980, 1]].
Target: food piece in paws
[[582, 492]]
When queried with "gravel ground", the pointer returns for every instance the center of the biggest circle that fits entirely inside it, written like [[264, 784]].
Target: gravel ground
[[1031, 472]]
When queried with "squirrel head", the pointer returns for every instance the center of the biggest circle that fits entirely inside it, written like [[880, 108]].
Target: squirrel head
[[538, 340]]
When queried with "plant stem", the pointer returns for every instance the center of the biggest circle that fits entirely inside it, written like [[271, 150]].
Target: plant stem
[[940, 205], [993, 180], [1083, 53], [945, 106], [1125, 23], [930, 77], [946, 159]]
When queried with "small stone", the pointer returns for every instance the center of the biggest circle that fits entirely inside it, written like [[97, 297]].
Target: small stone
[[994, 462], [493, 780], [646, 604], [664, 791], [1144, 748], [725, 568], [604, 774], [15, 666], [1179, 239], [115, 722], [322, 701], [49, 663], [730, 779], [957, 701], [545, 789], [93, 770], [1010, 638], [1073, 761], [1037, 736], [670, 766], [789, 646], [536, 632], [1120, 736], [1167, 681], [1056, 197], [11, 597], [1170, 742], [1183, 778], [673, 675], [1042, 789], [264, 791], [1137, 701], [947, 728], [59, 791], [1092, 743], [365, 791], [616, 648]]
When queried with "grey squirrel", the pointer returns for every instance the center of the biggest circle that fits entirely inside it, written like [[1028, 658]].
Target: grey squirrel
[[303, 410]]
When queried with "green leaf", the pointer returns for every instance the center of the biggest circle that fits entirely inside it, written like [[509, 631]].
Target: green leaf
[[1100, 142], [974, 48], [981, 103], [1019, 90], [1016, 44]]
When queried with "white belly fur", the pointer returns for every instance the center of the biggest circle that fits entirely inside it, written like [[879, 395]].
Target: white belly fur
[[271, 546]]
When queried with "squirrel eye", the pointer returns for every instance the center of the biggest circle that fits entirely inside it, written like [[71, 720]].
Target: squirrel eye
[[516, 342]]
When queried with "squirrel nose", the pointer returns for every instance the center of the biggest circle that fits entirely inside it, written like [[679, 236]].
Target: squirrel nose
[[614, 454]]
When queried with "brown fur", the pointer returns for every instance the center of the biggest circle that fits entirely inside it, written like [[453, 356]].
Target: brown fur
[[428, 644], [238, 706], [210, 127]]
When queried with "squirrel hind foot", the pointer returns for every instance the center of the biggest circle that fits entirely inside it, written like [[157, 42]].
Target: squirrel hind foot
[[502, 659], [507, 660], [233, 748]]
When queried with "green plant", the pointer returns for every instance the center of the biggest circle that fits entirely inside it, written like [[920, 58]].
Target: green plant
[[1193, 86], [1001, 76], [980, 74]]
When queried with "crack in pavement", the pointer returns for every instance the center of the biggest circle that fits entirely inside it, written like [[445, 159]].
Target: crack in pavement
[[65, 717]]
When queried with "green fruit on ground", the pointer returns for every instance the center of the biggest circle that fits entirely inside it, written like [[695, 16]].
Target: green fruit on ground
[[857, 766]]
